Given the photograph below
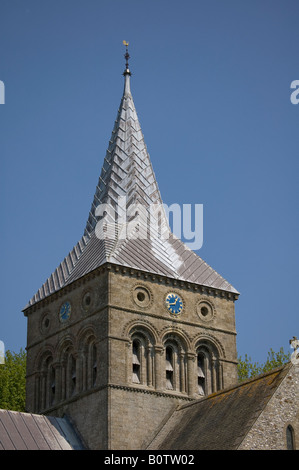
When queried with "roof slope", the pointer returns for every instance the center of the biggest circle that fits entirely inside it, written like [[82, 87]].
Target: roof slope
[[127, 175], [221, 420], [26, 431]]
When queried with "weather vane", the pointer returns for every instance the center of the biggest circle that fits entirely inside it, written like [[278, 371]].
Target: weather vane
[[127, 56]]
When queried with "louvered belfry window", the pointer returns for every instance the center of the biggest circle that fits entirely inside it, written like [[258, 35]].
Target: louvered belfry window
[[52, 385], [94, 364], [169, 368], [72, 375], [136, 362], [200, 374]]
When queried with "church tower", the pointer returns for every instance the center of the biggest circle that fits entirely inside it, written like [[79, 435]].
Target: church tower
[[132, 322]]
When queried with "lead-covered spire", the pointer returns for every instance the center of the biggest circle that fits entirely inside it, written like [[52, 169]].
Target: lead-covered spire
[[127, 170]]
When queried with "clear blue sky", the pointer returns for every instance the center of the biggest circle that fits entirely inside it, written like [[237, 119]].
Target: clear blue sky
[[211, 84]]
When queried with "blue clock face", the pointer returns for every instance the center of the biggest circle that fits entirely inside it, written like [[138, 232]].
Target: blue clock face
[[65, 311], [174, 303]]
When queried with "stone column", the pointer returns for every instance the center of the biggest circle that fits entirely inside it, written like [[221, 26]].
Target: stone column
[[97, 362], [182, 371], [191, 373], [57, 368], [149, 365], [63, 379], [83, 379], [37, 393], [129, 365], [159, 369], [214, 374], [43, 390]]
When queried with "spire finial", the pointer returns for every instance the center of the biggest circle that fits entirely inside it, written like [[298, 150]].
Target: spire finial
[[127, 56]]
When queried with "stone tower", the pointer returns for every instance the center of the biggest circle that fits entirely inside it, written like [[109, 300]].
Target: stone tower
[[132, 322]]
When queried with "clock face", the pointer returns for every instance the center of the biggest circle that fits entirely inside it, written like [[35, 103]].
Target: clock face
[[65, 311], [174, 303]]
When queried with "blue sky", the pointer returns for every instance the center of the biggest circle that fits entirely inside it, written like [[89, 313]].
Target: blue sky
[[211, 84]]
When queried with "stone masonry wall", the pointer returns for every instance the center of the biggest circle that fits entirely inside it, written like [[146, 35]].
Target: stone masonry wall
[[109, 308], [269, 430]]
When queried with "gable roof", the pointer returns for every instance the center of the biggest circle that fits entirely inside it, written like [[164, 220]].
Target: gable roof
[[219, 421], [127, 173], [26, 431]]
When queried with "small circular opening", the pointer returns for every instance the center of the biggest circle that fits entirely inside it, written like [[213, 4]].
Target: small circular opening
[[87, 300], [204, 311], [45, 324], [140, 296]]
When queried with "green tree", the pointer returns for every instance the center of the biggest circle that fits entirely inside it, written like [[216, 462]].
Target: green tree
[[12, 381], [248, 369]]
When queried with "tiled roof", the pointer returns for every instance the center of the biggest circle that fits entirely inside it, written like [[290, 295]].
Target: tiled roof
[[221, 420], [26, 431], [127, 172]]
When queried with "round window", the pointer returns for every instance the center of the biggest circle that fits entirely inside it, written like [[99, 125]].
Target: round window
[[86, 301], [205, 310], [142, 296], [45, 323]]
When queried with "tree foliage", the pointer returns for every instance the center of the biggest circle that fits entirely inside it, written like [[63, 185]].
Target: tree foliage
[[12, 381], [248, 369]]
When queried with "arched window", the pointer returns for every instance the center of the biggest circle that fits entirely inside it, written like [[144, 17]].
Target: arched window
[[208, 369], [141, 358], [87, 362], [175, 365], [46, 383], [290, 438], [68, 373]]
